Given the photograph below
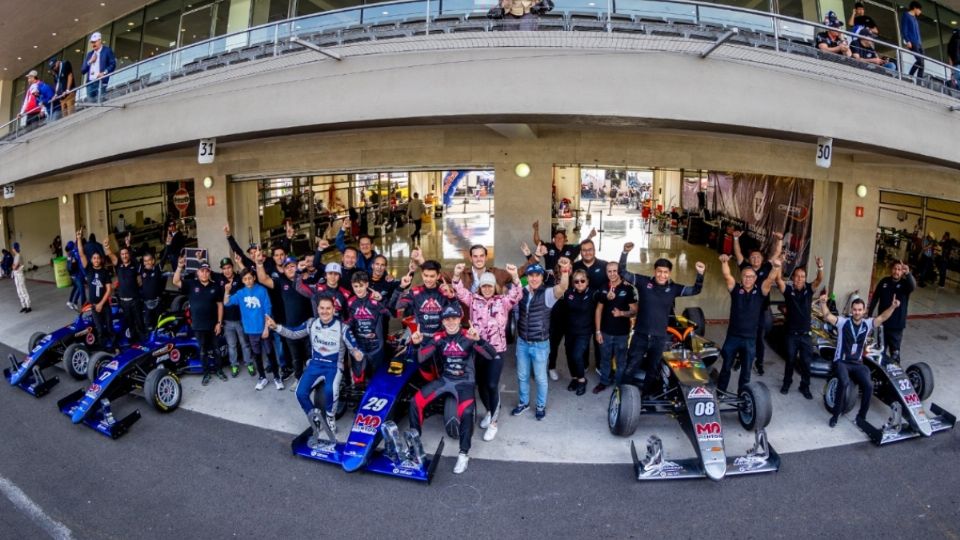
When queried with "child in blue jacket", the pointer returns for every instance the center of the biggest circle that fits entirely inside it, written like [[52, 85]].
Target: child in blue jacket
[[254, 303]]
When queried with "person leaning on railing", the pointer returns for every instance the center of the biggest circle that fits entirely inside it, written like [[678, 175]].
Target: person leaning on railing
[[831, 40], [863, 49]]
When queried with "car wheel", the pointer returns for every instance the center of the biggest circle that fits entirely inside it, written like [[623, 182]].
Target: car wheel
[[97, 361], [451, 422], [178, 303], [921, 377], [830, 396], [755, 409], [34, 339], [696, 316], [162, 390], [623, 413], [76, 361]]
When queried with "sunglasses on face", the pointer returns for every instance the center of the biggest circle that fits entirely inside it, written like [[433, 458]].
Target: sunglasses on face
[[579, 281]]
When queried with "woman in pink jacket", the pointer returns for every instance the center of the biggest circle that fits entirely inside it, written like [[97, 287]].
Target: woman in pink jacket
[[489, 314]]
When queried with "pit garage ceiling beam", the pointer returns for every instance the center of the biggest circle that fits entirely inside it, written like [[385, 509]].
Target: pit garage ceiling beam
[[514, 131]]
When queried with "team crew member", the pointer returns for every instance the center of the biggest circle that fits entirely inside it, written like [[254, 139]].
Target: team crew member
[[330, 287], [206, 312], [455, 350], [559, 247], [616, 304], [489, 314], [533, 334], [762, 269], [656, 296], [746, 303], [19, 281], [152, 284], [596, 269], [424, 302], [253, 301], [366, 312], [381, 281], [296, 309], [798, 298], [899, 284], [848, 364], [233, 326], [173, 244], [366, 253], [99, 281], [581, 304], [78, 296], [128, 291], [331, 339]]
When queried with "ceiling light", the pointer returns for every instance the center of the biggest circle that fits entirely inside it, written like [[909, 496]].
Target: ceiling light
[[53, 33], [76, 20], [34, 46], [953, 23], [103, 4], [76, 50], [19, 58], [130, 23]]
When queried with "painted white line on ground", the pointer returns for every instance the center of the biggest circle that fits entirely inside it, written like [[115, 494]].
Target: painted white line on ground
[[22, 502]]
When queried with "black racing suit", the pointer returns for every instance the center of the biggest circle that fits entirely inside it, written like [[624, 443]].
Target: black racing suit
[[366, 317], [425, 305], [315, 292], [455, 354]]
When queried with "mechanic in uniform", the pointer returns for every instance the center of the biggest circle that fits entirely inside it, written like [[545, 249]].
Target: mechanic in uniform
[[454, 349], [425, 303], [899, 284], [99, 281], [206, 315], [366, 312], [296, 309], [762, 269], [330, 339], [848, 363], [128, 291], [798, 300], [152, 284], [656, 296], [747, 301], [232, 320], [384, 284], [616, 304]]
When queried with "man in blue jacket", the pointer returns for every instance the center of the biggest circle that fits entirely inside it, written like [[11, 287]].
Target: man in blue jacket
[[910, 31], [98, 65]]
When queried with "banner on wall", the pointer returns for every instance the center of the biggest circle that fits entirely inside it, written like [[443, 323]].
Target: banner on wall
[[451, 179], [768, 204]]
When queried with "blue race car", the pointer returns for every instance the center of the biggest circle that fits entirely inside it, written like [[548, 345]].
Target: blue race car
[[153, 367], [70, 346], [385, 400]]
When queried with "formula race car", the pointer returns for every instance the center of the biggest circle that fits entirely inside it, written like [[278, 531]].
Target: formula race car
[[70, 346], [385, 401], [902, 390], [823, 340], [691, 395], [153, 367]]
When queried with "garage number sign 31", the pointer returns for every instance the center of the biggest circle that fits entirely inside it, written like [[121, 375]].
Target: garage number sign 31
[[207, 151]]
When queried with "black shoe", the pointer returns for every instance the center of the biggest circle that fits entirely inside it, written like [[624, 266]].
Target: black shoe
[[221, 375], [785, 389], [861, 419], [574, 384], [286, 374], [805, 392], [206, 379], [833, 421], [759, 369], [28, 310], [581, 388], [600, 387], [23, 310]]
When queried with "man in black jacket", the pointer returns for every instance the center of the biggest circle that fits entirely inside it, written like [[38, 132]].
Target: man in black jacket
[[899, 284]]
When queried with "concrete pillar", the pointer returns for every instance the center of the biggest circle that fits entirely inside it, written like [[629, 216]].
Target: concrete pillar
[[518, 203], [95, 210], [68, 215], [824, 214], [211, 216], [854, 241]]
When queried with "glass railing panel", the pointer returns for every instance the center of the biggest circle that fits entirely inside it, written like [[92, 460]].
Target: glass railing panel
[[320, 23], [470, 8], [654, 10], [797, 31], [730, 18], [580, 6], [399, 12]]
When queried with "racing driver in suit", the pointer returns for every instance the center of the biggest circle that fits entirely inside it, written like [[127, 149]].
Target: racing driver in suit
[[425, 303]]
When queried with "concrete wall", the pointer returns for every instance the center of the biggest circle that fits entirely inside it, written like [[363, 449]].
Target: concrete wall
[[34, 226]]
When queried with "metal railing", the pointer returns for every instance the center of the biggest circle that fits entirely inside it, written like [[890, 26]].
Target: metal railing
[[419, 17]]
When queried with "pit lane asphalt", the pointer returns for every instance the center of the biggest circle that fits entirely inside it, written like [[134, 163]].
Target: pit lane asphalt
[[189, 475]]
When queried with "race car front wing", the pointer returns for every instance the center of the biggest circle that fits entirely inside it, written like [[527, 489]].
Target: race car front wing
[[29, 378], [762, 458], [896, 429], [100, 418]]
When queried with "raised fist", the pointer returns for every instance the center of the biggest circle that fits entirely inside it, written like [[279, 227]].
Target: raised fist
[[701, 268], [724, 258], [628, 247]]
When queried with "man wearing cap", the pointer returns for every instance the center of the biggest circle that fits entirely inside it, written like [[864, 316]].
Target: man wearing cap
[[233, 320], [831, 40], [64, 97], [37, 98], [454, 350], [19, 281], [206, 312], [910, 32], [296, 308], [99, 63], [533, 334], [128, 291], [863, 48], [656, 296], [328, 287]]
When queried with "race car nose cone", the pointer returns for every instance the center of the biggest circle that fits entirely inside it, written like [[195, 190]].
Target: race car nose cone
[[715, 468], [77, 415]]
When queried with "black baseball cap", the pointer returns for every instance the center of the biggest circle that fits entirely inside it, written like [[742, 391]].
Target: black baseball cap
[[225, 262]]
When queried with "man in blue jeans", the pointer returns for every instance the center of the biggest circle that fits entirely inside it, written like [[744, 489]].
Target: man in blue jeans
[[747, 301], [533, 334], [616, 304]]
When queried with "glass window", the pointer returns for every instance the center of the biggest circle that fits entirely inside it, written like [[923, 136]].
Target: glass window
[[127, 34], [74, 54], [161, 27], [268, 11], [308, 7]]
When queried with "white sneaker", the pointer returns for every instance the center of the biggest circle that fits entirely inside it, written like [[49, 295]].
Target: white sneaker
[[261, 384], [332, 423], [278, 383], [490, 433], [461, 466], [293, 385], [485, 423], [554, 376], [71, 306]]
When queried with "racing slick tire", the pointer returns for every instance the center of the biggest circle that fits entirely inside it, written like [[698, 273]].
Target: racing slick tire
[[178, 303], [623, 413], [921, 377], [830, 392], [695, 315], [755, 409], [162, 390], [76, 360], [34, 339], [97, 361], [451, 422]]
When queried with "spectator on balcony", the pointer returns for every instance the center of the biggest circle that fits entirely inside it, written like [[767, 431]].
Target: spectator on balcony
[[97, 66], [64, 97], [37, 99], [859, 17], [831, 40], [523, 11], [910, 32], [953, 56], [863, 49]]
